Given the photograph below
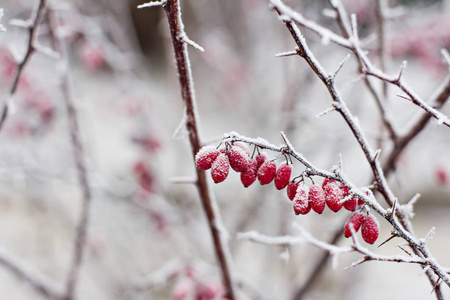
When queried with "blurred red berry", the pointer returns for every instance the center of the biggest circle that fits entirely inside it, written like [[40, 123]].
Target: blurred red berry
[[92, 56], [442, 175]]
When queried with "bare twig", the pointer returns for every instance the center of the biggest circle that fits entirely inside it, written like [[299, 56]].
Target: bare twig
[[172, 10], [78, 153], [31, 47], [38, 281], [290, 16]]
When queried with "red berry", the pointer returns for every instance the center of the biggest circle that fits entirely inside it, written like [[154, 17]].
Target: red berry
[[350, 204], [220, 168], [360, 202], [283, 175], [291, 189], [301, 202], [317, 198], [205, 157], [238, 159], [260, 159], [370, 229], [355, 221], [326, 181], [244, 147], [333, 196], [266, 172], [249, 176], [441, 175]]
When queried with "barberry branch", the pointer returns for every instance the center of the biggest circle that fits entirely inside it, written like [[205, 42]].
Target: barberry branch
[[172, 9], [288, 15], [37, 280], [78, 154], [32, 25]]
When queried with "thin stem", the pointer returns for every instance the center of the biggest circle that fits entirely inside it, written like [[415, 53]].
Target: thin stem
[[38, 281], [31, 47], [177, 33], [78, 154]]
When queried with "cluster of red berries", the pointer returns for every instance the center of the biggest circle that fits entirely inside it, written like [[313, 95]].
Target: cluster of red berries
[[331, 193]]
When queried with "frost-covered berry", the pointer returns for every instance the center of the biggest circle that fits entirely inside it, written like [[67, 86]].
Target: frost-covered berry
[[333, 196], [282, 175], [370, 229], [238, 159], [220, 168], [266, 172], [249, 176], [244, 147], [355, 220], [301, 201], [291, 189], [260, 159], [326, 181], [205, 157], [316, 198], [350, 204]]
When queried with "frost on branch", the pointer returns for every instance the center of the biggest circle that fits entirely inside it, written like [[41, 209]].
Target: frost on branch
[[2, 28]]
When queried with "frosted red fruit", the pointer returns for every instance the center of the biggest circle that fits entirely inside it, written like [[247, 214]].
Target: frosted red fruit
[[266, 172], [283, 175], [370, 229], [326, 181], [301, 202], [355, 220], [350, 204], [205, 157], [316, 198], [220, 168], [244, 147], [260, 159], [291, 189], [333, 196], [360, 202], [238, 159], [249, 176]]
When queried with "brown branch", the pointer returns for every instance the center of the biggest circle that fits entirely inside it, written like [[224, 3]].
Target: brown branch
[[178, 35], [38, 281], [438, 100], [403, 226], [345, 28], [78, 154], [31, 47]]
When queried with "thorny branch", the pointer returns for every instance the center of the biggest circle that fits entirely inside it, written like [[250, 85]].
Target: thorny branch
[[399, 220], [180, 41], [364, 194], [33, 23], [352, 43]]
